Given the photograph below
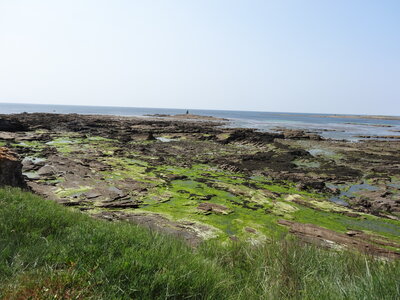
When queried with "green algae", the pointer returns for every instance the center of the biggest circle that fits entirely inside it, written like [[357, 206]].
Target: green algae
[[51, 181], [253, 207], [126, 168], [63, 145], [247, 208], [254, 203], [70, 142], [32, 145]]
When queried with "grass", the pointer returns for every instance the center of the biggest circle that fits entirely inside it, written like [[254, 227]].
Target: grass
[[48, 252]]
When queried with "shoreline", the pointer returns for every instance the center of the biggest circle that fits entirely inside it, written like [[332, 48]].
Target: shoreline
[[344, 116], [347, 128]]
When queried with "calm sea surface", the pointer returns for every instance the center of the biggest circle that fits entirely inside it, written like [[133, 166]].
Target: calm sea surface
[[337, 128]]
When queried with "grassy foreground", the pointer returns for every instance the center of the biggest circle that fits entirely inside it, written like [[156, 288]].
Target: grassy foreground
[[51, 252]]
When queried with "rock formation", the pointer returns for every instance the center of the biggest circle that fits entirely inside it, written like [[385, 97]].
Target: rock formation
[[10, 169]]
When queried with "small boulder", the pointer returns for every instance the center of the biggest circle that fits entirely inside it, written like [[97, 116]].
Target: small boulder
[[150, 137], [46, 171]]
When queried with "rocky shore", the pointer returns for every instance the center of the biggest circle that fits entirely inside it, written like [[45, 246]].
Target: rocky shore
[[194, 178]]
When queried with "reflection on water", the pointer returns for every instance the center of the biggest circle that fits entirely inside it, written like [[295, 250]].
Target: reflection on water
[[164, 139], [33, 159], [321, 152]]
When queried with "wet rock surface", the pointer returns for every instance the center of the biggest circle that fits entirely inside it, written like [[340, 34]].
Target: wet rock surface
[[171, 173]]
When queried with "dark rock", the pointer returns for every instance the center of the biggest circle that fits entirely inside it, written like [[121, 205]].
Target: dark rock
[[10, 169], [351, 214], [120, 204], [150, 137], [294, 134], [11, 125], [70, 203], [206, 197], [176, 177], [312, 185], [249, 135], [251, 230], [352, 233]]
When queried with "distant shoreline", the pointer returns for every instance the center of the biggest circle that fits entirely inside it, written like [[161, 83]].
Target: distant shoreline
[[186, 117], [153, 110], [339, 116]]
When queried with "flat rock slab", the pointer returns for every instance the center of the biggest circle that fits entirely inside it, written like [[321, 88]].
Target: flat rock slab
[[192, 233], [92, 195], [353, 239], [7, 136], [120, 204]]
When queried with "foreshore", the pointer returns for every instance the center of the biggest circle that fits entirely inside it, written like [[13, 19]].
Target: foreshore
[[192, 177]]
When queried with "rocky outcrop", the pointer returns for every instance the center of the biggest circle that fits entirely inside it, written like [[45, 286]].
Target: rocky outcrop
[[359, 240], [10, 169], [379, 202], [250, 135], [11, 125], [295, 134]]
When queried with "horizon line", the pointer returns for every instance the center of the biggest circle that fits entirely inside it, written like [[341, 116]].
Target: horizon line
[[206, 109]]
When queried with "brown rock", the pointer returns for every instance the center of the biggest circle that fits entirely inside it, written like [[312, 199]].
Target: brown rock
[[150, 137], [120, 204], [251, 230], [10, 169], [320, 236], [212, 207]]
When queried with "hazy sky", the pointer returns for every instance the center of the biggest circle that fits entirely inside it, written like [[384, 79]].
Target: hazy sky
[[297, 56]]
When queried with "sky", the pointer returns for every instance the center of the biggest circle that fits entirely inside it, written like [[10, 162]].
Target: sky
[[313, 56]]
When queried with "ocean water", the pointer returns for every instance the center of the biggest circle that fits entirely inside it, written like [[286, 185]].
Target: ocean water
[[329, 127]]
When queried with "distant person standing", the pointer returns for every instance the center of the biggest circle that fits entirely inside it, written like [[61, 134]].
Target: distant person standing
[[187, 112]]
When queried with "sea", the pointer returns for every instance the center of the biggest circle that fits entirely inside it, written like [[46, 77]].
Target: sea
[[327, 125]]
